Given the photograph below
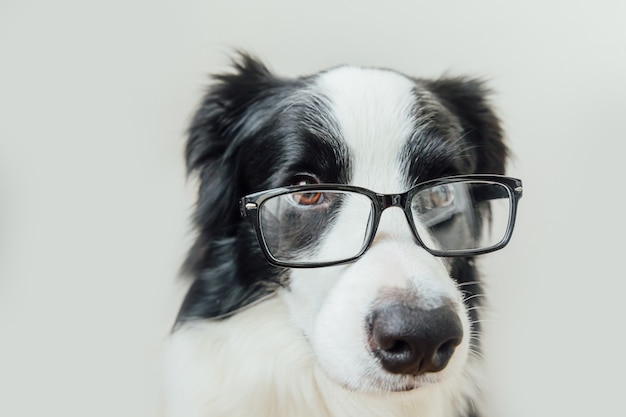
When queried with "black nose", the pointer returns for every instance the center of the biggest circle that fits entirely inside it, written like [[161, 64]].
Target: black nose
[[412, 341]]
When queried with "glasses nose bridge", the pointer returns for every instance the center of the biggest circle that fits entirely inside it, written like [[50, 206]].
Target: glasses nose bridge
[[394, 225], [390, 200]]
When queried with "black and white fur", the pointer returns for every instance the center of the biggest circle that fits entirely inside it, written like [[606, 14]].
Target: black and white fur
[[256, 340]]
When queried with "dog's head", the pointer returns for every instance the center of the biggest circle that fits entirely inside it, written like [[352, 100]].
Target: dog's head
[[395, 317]]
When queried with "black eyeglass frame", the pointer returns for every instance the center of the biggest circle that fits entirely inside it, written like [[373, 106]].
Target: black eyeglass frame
[[250, 207]]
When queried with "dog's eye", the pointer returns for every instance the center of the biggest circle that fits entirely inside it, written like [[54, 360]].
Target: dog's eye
[[307, 199], [304, 179], [441, 196]]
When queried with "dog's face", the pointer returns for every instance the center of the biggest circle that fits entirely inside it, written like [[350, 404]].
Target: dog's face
[[397, 318]]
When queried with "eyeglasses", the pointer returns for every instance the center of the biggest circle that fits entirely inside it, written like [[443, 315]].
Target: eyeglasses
[[455, 216]]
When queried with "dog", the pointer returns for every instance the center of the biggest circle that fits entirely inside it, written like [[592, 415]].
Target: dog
[[338, 220]]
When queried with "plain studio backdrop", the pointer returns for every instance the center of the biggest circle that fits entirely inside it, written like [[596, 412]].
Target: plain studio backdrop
[[94, 206]]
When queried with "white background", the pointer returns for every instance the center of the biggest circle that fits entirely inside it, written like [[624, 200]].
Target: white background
[[94, 205]]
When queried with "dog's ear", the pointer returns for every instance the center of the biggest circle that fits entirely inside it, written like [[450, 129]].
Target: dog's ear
[[223, 119], [230, 112], [467, 99]]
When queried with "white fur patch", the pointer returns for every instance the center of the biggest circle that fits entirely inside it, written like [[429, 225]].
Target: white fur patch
[[374, 111], [257, 363]]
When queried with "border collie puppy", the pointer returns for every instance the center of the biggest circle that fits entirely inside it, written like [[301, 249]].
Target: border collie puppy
[[338, 218]]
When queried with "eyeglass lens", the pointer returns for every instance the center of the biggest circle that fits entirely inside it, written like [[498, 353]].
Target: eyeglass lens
[[462, 216], [296, 225]]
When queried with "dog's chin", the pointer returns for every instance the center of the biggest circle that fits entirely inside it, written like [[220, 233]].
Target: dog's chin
[[393, 384], [415, 383]]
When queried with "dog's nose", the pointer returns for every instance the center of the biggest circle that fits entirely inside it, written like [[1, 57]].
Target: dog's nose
[[412, 341]]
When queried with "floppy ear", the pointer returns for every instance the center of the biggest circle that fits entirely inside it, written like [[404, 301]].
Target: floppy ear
[[227, 115], [221, 122], [467, 99]]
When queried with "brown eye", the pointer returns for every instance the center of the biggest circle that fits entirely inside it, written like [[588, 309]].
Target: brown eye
[[307, 199], [305, 179], [304, 198], [441, 196]]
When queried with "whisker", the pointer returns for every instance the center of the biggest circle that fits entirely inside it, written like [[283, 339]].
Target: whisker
[[473, 296], [462, 284], [476, 307], [477, 354]]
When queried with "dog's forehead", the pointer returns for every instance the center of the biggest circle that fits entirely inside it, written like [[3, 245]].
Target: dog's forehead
[[375, 112]]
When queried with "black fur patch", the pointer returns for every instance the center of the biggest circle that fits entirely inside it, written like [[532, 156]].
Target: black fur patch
[[253, 131]]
